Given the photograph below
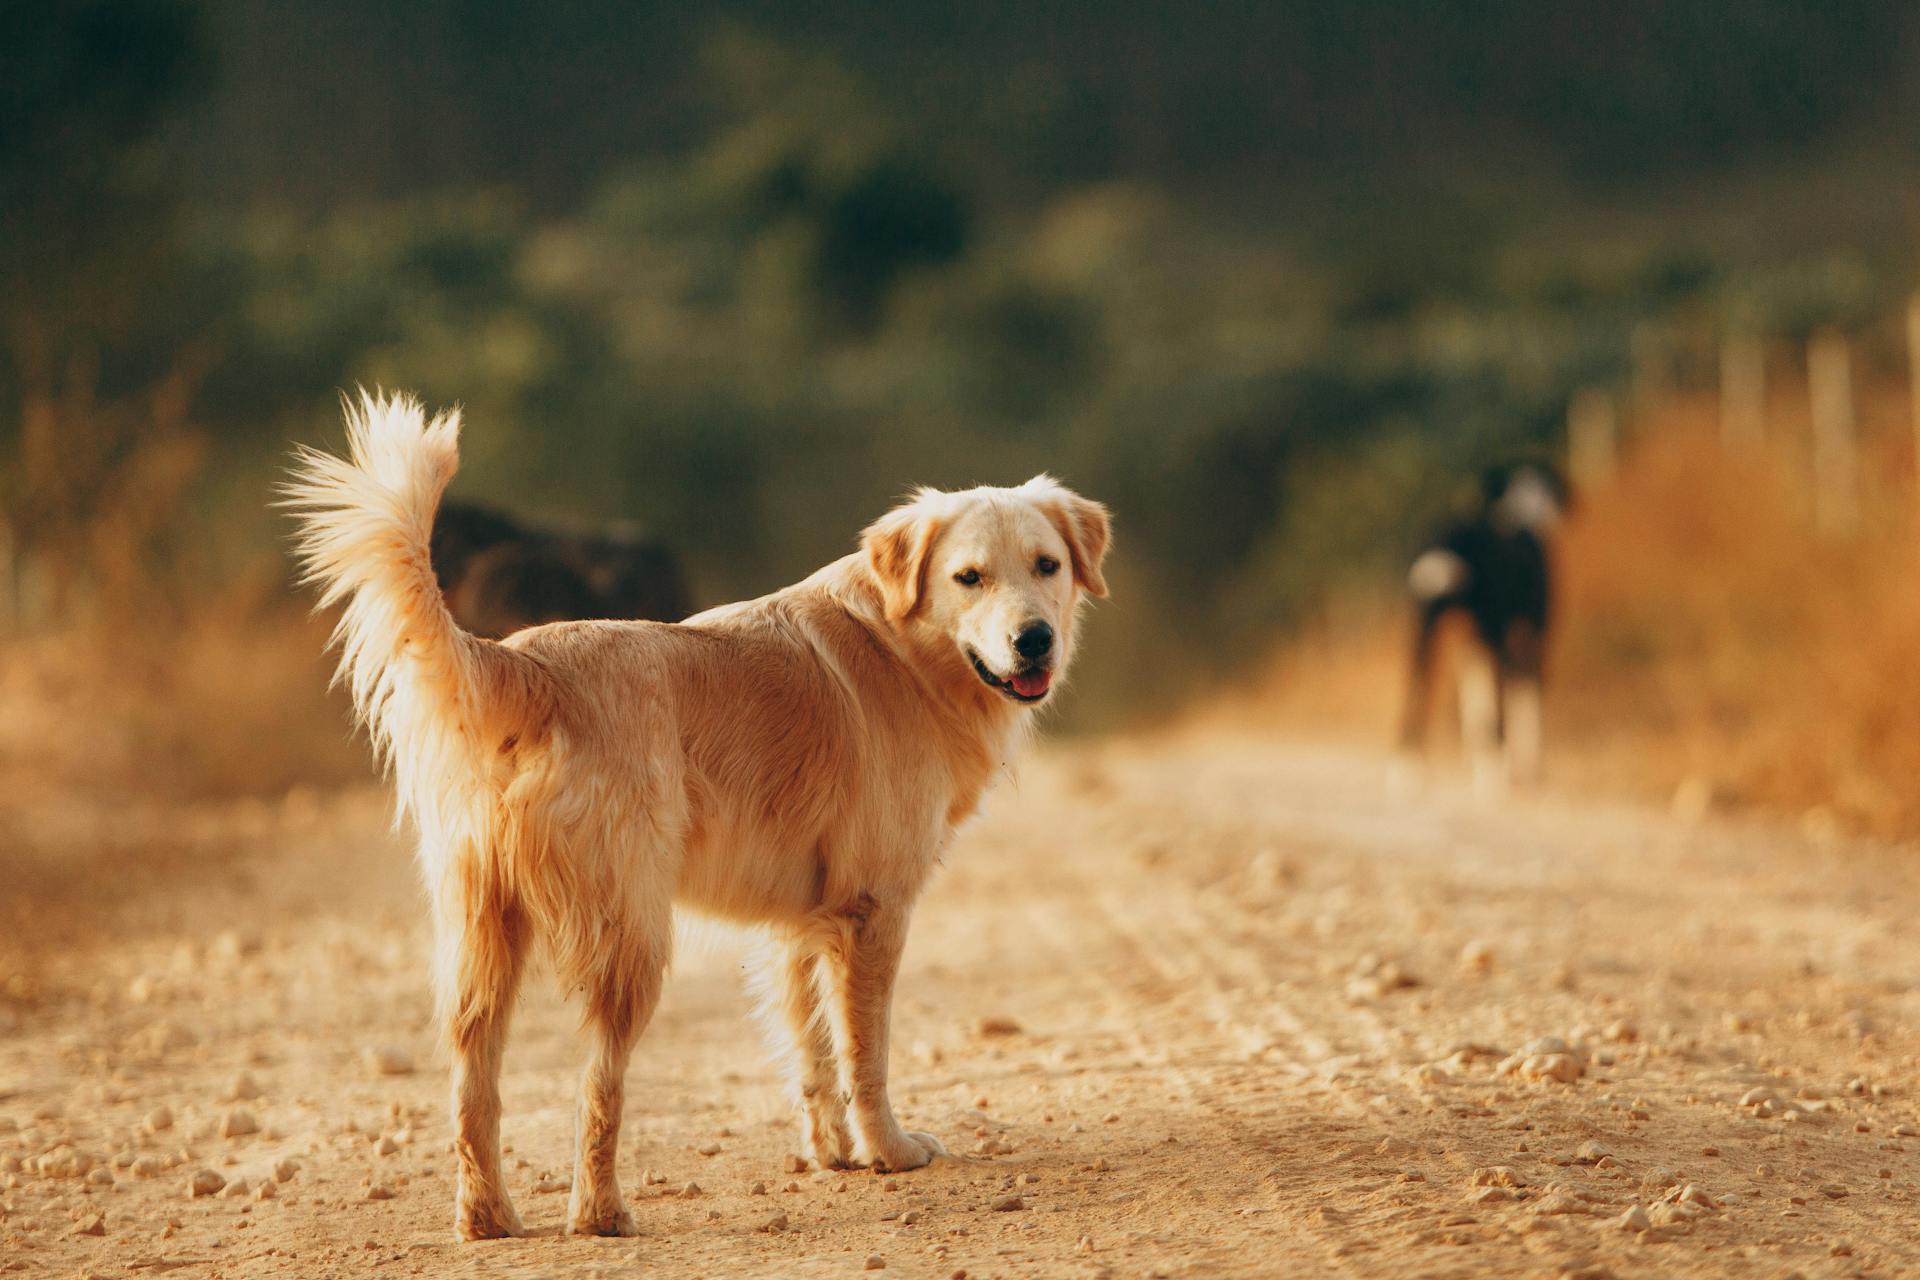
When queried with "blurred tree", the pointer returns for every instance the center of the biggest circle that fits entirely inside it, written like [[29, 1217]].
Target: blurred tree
[[96, 397]]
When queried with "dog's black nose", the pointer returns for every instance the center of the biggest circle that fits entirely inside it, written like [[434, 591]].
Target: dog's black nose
[[1034, 641]]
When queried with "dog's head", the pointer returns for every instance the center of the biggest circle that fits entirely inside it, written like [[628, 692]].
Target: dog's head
[[1529, 495], [998, 573]]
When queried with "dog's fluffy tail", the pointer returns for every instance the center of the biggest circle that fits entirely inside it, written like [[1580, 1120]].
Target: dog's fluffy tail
[[426, 690]]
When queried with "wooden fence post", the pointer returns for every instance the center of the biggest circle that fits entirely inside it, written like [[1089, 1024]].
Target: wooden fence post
[[1743, 392], [1836, 467], [1649, 361], [1593, 437]]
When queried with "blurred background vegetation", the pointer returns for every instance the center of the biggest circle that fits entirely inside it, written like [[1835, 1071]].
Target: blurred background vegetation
[[1271, 279]]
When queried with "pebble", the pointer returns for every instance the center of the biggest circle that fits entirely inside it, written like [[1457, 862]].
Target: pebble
[[1008, 1204], [93, 1225], [148, 1166], [690, 1191], [236, 1190], [875, 1262], [230, 946], [379, 1191], [757, 1189], [205, 1182], [778, 1222], [1561, 1067], [284, 1171], [998, 1025], [1557, 1204], [267, 1190], [1489, 1195], [243, 1089], [238, 1122], [1497, 1175], [162, 1038], [1477, 956], [910, 1217], [388, 1060], [158, 1120], [1590, 1153], [708, 1149], [386, 1146], [1635, 1219], [1834, 1191]]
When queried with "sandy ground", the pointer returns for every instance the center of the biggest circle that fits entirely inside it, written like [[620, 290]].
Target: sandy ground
[[1279, 1012]]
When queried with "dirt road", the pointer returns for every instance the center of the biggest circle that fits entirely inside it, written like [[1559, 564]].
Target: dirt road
[[1277, 1014]]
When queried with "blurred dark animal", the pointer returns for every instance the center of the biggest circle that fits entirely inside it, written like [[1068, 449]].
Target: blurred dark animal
[[500, 576], [1494, 571]]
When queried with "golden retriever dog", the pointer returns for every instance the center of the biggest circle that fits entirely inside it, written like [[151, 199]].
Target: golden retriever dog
[[797, 762]]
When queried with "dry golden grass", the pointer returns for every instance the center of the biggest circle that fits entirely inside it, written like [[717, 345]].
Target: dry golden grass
[[1708, 638], [228, 700]]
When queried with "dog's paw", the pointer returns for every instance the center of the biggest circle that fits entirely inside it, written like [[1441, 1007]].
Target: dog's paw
[[828, 1143], [598, 1211], [617, 1221], [486, 1221], [904, 1149]]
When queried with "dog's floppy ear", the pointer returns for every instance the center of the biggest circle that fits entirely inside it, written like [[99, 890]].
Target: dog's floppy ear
[[897, 545], [1083, 523]]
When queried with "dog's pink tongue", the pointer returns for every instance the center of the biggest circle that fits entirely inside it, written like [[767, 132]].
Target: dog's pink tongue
[[1031, 684]]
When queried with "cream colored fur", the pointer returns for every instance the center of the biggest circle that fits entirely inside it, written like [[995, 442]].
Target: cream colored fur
[[797, 762]]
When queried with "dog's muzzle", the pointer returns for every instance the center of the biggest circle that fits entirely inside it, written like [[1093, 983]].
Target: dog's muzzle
[[1028, 685]]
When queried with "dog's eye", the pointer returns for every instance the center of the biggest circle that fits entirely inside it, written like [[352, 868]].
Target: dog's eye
[[1046, 566], [968, 577]]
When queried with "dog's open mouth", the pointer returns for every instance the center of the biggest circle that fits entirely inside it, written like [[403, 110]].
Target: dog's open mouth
[[1030, 685]]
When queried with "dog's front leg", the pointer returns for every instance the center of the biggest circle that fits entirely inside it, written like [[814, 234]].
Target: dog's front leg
[[864, 969], [792, 1009]]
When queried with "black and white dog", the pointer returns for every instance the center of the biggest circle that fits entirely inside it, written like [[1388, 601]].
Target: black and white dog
[[1493, 570]]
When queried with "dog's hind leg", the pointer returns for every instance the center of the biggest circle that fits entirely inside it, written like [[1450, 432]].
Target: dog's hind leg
[[795, 1017], [1419, 706], [1522, 702], [1480, 719], [621, 964], [864, 961], [623, 987], [485, 952]]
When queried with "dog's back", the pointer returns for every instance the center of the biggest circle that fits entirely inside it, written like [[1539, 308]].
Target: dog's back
[[500, 576]]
